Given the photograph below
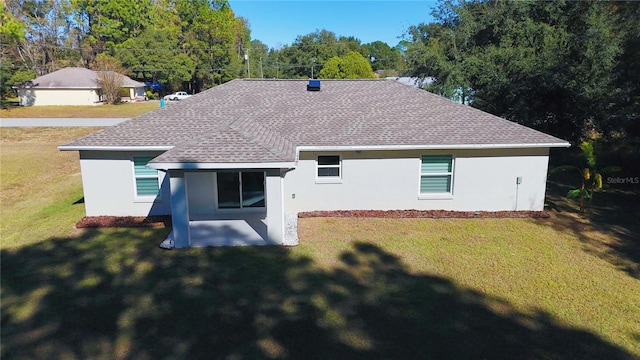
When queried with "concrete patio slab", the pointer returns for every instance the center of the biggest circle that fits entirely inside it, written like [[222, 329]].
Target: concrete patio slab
[[235, 232]]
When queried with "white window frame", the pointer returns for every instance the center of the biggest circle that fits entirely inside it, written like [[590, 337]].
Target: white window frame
[[442, 195], [328, 179], [145, 198]]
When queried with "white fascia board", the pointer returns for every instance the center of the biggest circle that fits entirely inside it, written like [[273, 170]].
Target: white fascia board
[[186, 166], [115, 148], [55, 88], [431, 147]]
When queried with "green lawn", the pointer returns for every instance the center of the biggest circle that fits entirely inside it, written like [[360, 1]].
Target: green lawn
[[41, 187], [564, 287], [124, 110]]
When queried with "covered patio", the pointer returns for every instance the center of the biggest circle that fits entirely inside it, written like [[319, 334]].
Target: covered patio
[[251, 229], [229, 207]]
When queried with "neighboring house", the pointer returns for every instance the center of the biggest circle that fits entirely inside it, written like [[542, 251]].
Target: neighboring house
[[413, 81], [257, 152], [71, 86]]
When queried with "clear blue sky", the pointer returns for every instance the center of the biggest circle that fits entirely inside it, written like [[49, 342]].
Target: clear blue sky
[[278, 23]]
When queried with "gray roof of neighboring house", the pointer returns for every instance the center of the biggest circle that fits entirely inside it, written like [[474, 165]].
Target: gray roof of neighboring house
[[413, 81], [258, 121], [72, 78]]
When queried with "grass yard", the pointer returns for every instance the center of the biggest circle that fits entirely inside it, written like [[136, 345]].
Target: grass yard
[[124, 110], [564, 287], [40, 186]]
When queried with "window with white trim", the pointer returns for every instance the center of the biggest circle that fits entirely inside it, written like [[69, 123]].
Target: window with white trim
[[328, 166], [146, 178], [436, 174]]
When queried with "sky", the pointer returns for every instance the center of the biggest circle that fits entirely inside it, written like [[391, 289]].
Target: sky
[[278, 23]]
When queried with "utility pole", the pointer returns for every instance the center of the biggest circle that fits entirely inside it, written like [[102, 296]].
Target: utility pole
[[246, 58], [276, 69], [313, 62], [261, 72]]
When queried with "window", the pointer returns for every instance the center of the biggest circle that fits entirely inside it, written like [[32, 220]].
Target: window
[[436, 174], [240, 190], [146, 179], [329, 166]]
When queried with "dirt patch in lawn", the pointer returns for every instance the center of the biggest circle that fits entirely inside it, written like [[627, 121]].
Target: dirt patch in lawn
[[124, 221], [434, 214]]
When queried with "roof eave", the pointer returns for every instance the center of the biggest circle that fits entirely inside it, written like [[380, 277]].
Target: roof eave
[[209, 165], [433, 147], [56, 87], [113, 148]]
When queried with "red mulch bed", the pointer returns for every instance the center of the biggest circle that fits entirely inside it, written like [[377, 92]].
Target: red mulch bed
[[124, 221], [434, 214], [165, 221]]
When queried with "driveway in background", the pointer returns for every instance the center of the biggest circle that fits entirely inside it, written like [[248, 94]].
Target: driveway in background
[[44, 122]]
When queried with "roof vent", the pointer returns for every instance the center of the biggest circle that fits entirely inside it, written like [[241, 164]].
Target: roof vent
[[314, 85]]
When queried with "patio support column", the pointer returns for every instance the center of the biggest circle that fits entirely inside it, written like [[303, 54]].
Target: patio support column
[[275, 207], [179, 209]]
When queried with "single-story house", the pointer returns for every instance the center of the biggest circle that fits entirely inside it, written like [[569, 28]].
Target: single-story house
[[255, 153], [413, 81], [71, 86]]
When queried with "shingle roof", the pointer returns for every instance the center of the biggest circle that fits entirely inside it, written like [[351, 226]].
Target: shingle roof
[[248, 120], [72, 78]]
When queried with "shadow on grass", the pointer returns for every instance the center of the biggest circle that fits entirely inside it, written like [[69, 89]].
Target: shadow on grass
[[612, 229], [114, 294], [8, 104]]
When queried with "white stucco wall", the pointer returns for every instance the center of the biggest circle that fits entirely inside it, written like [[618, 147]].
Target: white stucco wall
[[179, 209], [109, 186], [136, 92], [384, 180], [41, 97], [201, 199], [389, 180], [275, 207], [201, 194]]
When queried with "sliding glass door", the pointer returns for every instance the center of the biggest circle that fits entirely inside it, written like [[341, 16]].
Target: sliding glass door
[[240, 190]]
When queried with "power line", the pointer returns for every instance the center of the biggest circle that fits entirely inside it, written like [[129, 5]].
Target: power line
[[177, 48]]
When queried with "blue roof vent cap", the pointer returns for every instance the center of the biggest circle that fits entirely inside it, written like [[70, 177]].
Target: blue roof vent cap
[[314, 85]]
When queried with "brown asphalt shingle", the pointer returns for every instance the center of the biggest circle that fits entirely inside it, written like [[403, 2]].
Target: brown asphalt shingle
[[264, 120]]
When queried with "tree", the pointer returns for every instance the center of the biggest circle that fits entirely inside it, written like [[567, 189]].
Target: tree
[[211, 35], [442, 52], [625, 117], [308, 53], [382, 56], [110, 77], [351, 66], [41, 49], [10, 28], [350, 44], [259, 60], [107, 23], [155, 56], [242, 44], [12, 32], [549, 65], [590, 176]]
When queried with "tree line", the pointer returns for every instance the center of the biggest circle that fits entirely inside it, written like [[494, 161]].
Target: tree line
[[181, 44], [323, 54], [570, 68], [173, 42]]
